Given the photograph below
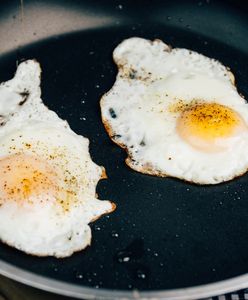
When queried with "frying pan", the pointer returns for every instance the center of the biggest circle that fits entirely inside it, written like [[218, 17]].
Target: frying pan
[[167, 239]]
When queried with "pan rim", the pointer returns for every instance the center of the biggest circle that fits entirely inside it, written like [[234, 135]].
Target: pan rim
[[82, 292]]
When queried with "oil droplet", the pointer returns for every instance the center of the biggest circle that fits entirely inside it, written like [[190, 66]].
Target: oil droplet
[[132, 252], [168, 18], [123, 256], [79, 276], [141, 274], [114, 234]]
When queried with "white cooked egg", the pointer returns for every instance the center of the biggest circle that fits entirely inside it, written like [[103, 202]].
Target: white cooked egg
[[48, 180], [177, 113]]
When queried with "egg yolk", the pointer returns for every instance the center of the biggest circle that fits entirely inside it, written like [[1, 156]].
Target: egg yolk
[[25, 177], [204, 125]]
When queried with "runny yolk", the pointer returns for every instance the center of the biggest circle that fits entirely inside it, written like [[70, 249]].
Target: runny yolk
[[25, 177], [204, 125]]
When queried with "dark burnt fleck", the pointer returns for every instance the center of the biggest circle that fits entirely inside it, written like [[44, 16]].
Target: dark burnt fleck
[[168, 49], [25, 96], [132, 74], [116, 136], [142, 143], [3, 120], [112, 113]]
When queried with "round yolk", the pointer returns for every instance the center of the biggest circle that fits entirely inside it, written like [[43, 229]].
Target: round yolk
[[202, 125], [25, 177]]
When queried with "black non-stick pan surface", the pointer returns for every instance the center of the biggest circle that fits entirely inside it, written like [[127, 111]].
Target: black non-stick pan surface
[[165, 234]]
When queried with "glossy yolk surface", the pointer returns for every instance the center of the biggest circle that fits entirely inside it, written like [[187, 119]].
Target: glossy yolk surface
[[202, 125]]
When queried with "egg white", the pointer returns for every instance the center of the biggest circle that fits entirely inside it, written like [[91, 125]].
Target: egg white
[[54, 222], [136, 112]]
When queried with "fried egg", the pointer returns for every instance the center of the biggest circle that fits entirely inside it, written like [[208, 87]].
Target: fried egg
[[48, 180], [177, 113]]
